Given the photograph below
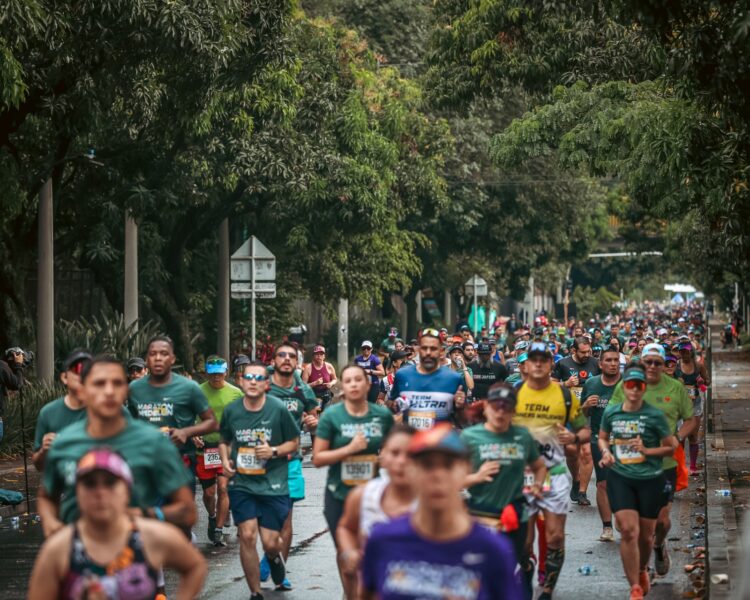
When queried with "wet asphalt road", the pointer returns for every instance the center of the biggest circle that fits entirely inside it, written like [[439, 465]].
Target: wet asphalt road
[[312, 568]]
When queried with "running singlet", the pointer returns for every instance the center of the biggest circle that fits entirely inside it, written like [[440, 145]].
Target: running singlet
[[541, 411], [127, 577], [425, 399], [321, 373]]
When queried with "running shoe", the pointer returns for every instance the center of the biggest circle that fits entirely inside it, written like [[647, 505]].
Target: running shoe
[[257, 596], [636, 592], [278, 569], [219, 537], [583, 500], [574, 492], [284, 586], [644, 581], [265, 569], [661, 560], [211, 528], [608, 535]]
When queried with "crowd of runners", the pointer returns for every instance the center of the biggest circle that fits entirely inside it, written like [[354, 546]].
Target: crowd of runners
[[451, 461]]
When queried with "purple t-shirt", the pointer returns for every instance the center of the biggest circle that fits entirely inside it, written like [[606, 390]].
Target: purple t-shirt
[[371, 363], [399, 564]]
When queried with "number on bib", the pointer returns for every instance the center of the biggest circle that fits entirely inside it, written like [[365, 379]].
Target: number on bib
[[421, 420], [359, 469], [529, 480], [248, 463], [211, 458], [626, 454]]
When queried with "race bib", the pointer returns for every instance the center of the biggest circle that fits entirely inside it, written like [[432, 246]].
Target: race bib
[[422, 420], [692, 391], [529, 480], [577, 391], [248, 463], [211, 458], [626, 454], [359, 469]]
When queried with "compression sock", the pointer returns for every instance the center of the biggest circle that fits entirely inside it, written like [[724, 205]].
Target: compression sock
[[554, 563], [693, 456]]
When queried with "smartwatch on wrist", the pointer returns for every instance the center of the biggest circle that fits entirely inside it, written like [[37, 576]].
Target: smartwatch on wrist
[[274, 452]]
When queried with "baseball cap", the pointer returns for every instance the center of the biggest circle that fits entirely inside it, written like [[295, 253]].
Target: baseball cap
[[539, 349], [464, 328], [522, 358], [318, 349], [484, 348], [215, 365], [397, 355], [441, 438], [661, 331], [104, 459], [653, 350], [77, 355], [366, 344], [502, 394], [670, 358], [240, 361], [455, 347], [633, 374], [136, 363], [522, 345]]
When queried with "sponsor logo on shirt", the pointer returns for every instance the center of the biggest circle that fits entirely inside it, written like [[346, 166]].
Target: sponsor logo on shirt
[[370, 430], [257, 435], [421, 579], [156, 411], [497, 451], [628, 427]]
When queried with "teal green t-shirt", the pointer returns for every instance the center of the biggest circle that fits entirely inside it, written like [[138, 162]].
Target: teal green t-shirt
[[158, 470], [595, 387], [623, 427], [175, 405], [298, 399], [515, 449], [53, 418], [218, 400], [338, 427], [670, 397], [242, 430]]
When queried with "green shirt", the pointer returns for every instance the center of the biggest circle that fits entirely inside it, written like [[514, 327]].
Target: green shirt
[[299, 399], [158, 470], [622, 427], [175, 405], [218, 400], [338, 427], [670, 397], [53, 418], [595, 387], [244, 429], [515, 449]]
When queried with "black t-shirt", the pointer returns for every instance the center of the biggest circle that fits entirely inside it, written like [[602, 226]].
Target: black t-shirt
[[486, 376], [568, 367]]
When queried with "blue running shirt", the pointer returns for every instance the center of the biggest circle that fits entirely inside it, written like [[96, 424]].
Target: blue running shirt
[[425, 399]]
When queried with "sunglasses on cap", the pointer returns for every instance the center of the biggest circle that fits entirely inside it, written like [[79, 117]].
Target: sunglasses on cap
[[254, 377], [430, 332], [216, 361], [634, 384]]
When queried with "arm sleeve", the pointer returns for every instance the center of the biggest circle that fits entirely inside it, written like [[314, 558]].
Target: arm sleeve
[[325, 427]]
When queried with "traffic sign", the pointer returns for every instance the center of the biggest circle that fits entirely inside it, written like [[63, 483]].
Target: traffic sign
[[244, 290], [253, 251], [476, 286]]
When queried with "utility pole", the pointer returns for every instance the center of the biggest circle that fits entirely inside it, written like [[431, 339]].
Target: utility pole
[[223, 299], [45, 286], [130, 309], [343, 333]]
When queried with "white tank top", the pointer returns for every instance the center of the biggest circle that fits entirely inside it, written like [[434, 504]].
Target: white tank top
[[371, 508]]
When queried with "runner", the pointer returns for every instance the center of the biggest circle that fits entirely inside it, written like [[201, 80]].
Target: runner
[[388, 345], [257, 434], [486, 371], [596, 394], [300, 401], [393, 363], [426, 394], [349, 437], [458, 365], [238, 367], [107, 553], [219, 394], [136, 368], [572, 372], [172, 402], [506, 464], [695, 378], [380, 500], [321, 376], [670, 397], [640, 436], [63, 411], [373, 367], [160, 480], [438, 551], [546, 408]]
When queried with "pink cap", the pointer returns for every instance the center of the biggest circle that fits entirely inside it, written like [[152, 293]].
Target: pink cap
[[319, 348], [104, 459]]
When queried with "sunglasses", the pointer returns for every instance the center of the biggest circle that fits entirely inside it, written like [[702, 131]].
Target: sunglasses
[[286, 355], [216, 361], [634, 384], [431, 332], [254, 377], [652, 363]]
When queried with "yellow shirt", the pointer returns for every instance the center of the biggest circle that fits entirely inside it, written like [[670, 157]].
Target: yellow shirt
[[540, 411]]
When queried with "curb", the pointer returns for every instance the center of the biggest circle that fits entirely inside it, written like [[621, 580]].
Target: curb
[[6, 512]]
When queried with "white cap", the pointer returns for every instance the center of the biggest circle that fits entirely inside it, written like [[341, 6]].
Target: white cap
[[366, 344], [653, 350]]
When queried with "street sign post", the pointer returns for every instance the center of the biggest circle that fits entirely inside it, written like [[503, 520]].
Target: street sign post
[[478, 287], [256, 264]]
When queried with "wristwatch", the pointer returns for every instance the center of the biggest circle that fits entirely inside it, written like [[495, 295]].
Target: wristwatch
[[274, 452]]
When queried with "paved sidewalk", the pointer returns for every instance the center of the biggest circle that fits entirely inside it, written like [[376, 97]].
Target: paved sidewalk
[[727, 468], [12, 478]]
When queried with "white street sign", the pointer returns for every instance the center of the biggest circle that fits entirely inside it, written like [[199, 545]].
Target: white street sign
[[481, 286], [265, 262], [263, 290]]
